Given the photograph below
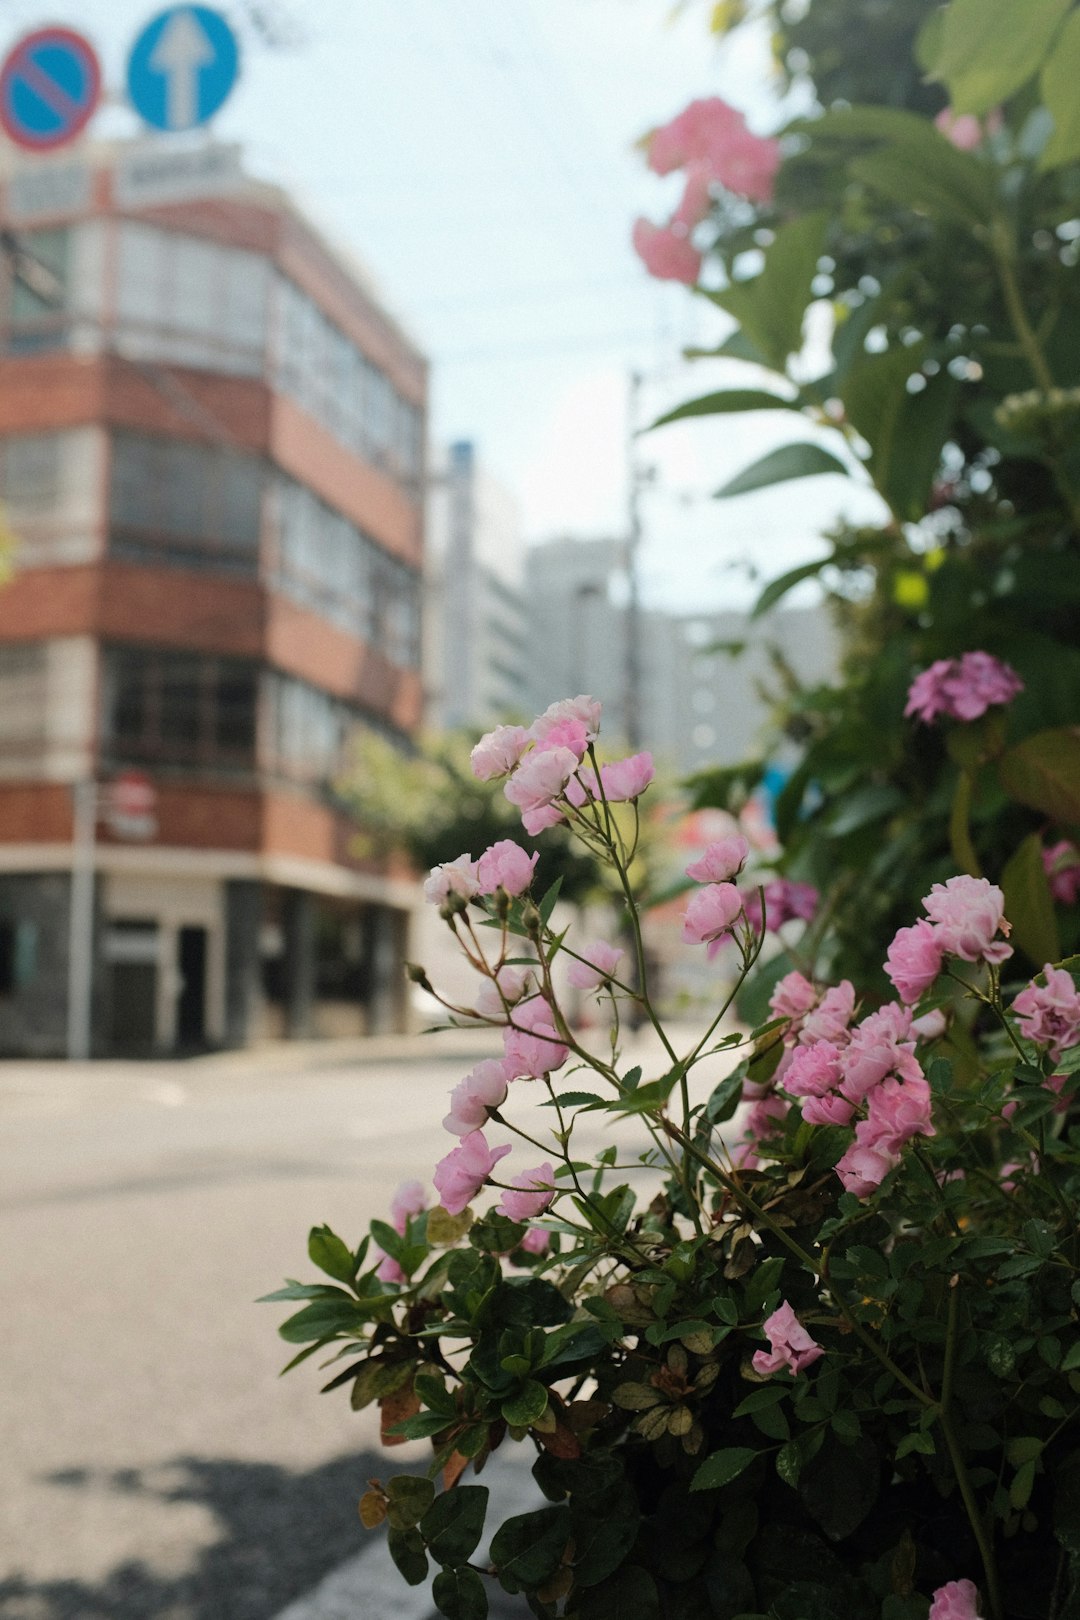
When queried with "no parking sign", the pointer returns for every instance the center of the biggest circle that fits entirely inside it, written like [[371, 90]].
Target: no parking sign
[[50, 85]]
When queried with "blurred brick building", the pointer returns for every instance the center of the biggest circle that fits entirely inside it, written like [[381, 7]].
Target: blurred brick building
[[211, 459]]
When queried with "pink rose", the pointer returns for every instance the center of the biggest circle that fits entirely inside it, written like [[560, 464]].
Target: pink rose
[[710, 915], [1061, 863], [505, 866], [968, 912], [785, 901], [829, 1110], [876, 1049], [545, 815], [498, 752], [696, 198], [586, 710], [665, 253], [899, 1110], [535, 1190], [541, 778], [531, 1044], [963, 130], [1049, 1014], [457, 877], [462, 1173], [508, 986], [712, 136], [601, 960], [791, 1347], [565, 733], [721, 862], [931, 1026], [962, 688], [956, 1600], [830, 1019], [473, 1098], [813, 1070], [793, 995], [537, 1240], [913, 960], [623, 779], [409, 1199], [866, 1163]]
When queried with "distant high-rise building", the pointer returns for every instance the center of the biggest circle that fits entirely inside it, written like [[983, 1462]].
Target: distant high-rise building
[[699, 686], [212, 457], [475, 632]]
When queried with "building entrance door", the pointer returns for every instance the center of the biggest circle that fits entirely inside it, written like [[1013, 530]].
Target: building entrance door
[[131, 950], [191, 1002]]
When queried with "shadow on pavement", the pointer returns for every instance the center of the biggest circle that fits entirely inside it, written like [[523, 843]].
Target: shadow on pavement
[[280, 1533]]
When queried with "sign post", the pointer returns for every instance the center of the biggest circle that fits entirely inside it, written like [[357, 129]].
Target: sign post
[[81, 922], [182, 67], [50, 86]]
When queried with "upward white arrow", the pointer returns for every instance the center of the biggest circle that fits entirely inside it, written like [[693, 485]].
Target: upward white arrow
[[181, 51]]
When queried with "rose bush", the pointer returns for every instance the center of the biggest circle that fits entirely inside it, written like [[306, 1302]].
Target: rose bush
[[816, 1357]]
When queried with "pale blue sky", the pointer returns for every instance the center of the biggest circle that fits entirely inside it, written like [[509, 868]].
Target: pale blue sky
[[478, 155]]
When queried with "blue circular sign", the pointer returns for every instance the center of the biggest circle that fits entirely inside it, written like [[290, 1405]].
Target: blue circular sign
[[50, 85], [182, 67]]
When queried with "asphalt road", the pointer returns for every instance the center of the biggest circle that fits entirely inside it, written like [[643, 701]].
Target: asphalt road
[[153, 1466]]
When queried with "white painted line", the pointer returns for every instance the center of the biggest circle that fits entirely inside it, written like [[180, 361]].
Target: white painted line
[[368, 1587]]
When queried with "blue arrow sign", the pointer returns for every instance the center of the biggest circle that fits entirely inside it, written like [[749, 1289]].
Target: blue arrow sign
[[50, 84], [182, 67]]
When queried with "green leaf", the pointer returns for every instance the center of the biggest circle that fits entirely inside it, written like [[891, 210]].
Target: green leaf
[[390, 1241], [327, 1251], [296, 1290], [460, 1594], [780, 466], [527, 1405], [407, 1550], [1043, 772], [410, 1497], [1060, 77], [920, 168], [983, 57], [630, 1594], [905, 431], [731, 399], [1028, 903], [320, 1320], [454, 1523], [547, 904], [770, 307], [527, 1549], [765, 1278], [722, 1467]]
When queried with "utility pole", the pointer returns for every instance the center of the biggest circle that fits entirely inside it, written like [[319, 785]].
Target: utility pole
[[637, 477], [81, 924]]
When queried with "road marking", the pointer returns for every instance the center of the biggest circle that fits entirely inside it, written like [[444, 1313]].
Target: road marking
[[368, 1587]]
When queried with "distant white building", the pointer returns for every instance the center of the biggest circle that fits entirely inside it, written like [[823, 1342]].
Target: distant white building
[[700, 700], [475, 628]]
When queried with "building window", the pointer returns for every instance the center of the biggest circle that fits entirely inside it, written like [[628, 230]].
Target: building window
[[328, 374], [319, 559], [191, 301], [38, 280], [30, 472], [179, 708], [189, 505], [23, 701]]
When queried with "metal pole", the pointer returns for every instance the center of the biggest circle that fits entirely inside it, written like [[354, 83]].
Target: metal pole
[[635, 478], [81, 932]]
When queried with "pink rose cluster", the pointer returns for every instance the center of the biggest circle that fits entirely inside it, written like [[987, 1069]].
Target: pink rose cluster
[[791, 1349], [966, 915], [504, 866], [1049, 1014], [714, 910], [962, 688], [871, 1070], [785, 901], [709, 140], [545, 766]]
